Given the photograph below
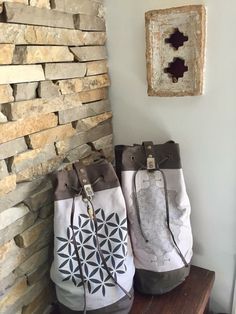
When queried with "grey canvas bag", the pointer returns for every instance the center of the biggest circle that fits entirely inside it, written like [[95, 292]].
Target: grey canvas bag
[[93, 265], [159, 214]]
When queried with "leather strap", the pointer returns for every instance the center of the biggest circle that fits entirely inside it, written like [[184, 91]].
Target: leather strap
[[83, 179], [151, 162]]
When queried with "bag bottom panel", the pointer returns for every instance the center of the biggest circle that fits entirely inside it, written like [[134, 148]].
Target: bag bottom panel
[[153, 283], [123, 306]]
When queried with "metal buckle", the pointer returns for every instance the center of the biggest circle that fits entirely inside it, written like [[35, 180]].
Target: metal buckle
[[88, 190], [151, 164]]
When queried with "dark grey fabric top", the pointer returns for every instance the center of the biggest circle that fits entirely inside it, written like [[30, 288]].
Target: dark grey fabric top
[[101, 175], [133, 157]]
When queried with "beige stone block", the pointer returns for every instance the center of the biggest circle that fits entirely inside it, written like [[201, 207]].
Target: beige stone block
[[40, 3], [20, 34], [16, 1], [33, 262], [56, 71], [75, 6], [91, 122], [39, 170], [96, 82], [70, 143], [41, 54], [93, 95], [96, 67], [31, 158], [32, 234], [40, 139], [6, 94], [47, 89], [89, 23], [38, 273], [106, 144], [12, 295], [69, 115], [70, 86], [30, 108], [7, 283], [11, 215], [13, 304], [18, 226], [36, 289], [11, 256], [3, 118], [6, 53], [22, 191], [84, 137], [94, 38], [38, 304], [79, 152], [7, 184], [82, 84], [41, 197], [12, 130], [8, 252], [19, 13], [3, 170], [89, 53], [84, 111], [12, 148], [25, 91], [21, 73]]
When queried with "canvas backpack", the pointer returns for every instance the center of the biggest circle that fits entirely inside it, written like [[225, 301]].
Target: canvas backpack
[[158, 212], [93, 263]]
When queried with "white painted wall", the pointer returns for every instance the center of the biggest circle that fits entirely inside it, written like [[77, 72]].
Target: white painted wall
[[204, 126]]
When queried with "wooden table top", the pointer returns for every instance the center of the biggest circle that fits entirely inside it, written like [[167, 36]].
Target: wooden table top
[[191, 297]]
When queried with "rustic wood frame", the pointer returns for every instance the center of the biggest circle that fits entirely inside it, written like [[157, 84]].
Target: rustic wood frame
[[159, 25]]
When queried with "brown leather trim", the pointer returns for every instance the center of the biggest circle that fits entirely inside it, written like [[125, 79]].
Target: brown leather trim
[[133, 157], [102, 169]]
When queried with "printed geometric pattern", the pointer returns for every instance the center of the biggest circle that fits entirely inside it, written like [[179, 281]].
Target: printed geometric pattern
[[112, 237]]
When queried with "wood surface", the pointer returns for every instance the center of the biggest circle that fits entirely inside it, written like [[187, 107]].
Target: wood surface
[[191, 297]]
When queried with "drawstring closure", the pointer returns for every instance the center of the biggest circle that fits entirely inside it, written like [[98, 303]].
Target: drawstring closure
[[142, 167], [92, 215]]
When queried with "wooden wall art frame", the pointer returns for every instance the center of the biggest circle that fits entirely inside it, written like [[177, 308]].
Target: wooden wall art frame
[[175, 51]]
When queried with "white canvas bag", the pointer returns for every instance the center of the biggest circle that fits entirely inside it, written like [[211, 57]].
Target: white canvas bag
[[158, 212], [93, 264]]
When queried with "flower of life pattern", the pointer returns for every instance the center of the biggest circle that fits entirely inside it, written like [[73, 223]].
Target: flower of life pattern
[[112, 237]]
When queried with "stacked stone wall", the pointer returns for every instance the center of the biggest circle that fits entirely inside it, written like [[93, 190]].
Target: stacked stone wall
[[53, 101]]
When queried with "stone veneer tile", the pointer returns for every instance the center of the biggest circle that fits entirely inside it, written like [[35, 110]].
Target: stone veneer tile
[[21, 34], [23, 14], [75, 6], [21, 73], [12, 130]]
